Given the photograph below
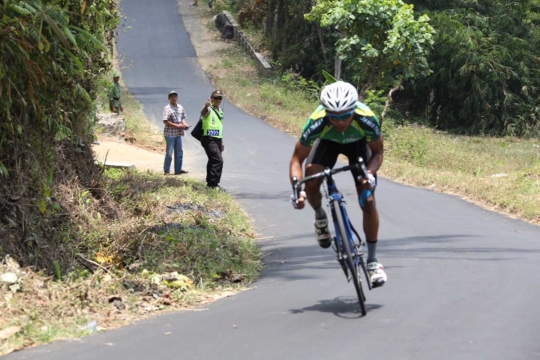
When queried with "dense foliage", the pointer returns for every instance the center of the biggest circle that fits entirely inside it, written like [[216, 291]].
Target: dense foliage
[[52, 55], [487, 67]]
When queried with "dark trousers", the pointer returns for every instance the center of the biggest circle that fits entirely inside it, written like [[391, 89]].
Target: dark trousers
[[214, 167]]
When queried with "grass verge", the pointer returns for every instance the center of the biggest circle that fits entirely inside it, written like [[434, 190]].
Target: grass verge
[[501, 174]]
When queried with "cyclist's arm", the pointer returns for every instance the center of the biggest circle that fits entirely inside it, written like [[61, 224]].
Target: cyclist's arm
[[377, 150], [300, 154]]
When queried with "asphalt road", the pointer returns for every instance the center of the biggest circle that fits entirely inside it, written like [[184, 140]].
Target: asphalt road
[[463, 282]]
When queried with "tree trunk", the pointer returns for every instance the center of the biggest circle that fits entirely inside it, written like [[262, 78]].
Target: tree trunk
[[270, 21], [389, 96], [323, 48], [280, 27], [337, 67], [363, 91]]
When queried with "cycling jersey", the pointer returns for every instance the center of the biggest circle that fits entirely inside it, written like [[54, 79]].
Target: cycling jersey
[[364, 125]]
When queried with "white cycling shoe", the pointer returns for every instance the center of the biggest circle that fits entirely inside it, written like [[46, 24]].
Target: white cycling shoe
[[376, 274], [322, 233]]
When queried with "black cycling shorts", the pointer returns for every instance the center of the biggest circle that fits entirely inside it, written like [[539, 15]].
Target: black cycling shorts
[[326, 152]]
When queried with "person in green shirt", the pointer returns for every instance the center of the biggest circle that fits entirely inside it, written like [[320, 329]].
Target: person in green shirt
[[342, 125], [115, 95], [212, 138]]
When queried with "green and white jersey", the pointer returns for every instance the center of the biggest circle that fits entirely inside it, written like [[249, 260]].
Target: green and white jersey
[[364, 125]]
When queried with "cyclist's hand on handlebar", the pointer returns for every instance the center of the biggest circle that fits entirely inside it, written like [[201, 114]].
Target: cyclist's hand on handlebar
[[300, 202], [370, 183]]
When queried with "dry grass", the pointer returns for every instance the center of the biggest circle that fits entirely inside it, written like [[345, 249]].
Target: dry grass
[[501, 174], [44, 310]]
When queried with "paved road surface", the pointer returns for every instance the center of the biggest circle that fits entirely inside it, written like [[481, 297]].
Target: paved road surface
[[463, 281]]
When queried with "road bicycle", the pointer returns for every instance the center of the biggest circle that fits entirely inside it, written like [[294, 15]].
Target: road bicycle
[[347, 244]]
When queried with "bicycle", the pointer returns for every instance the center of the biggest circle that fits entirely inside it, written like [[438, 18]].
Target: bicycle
[[347, 244]]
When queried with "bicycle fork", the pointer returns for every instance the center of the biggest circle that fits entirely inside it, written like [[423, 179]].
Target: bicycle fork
[[341, 256], [338, 247]]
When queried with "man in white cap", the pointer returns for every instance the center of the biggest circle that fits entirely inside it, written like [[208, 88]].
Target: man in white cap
[[174, 118]]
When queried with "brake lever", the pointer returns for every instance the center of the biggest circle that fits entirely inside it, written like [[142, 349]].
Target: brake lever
[[366, 193], [296, 191], [362, 168]]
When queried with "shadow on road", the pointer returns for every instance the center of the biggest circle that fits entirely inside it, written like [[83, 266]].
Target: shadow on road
[[262, 195], [343, 307], [299, 262], [446, 247], [306, 261], [311, 262]]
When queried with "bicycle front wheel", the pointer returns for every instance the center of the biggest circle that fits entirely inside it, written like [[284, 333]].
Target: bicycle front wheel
[[350, 253]]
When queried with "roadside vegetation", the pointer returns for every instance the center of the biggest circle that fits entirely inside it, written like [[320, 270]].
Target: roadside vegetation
[[501, 173], [172, 245]]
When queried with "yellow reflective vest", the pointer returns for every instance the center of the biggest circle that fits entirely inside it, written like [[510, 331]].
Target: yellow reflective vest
[[212, 124]]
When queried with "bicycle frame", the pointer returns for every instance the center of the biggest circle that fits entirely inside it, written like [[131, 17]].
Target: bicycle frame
[[354, 242], [347, 242]]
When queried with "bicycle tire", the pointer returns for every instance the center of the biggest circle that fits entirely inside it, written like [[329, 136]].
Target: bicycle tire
[[361, 260], [350, 262]]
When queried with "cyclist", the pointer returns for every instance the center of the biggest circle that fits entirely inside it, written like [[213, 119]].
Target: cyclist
[[341, 125]]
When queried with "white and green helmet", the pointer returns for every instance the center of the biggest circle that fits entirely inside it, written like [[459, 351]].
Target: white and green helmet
[[339, 96]]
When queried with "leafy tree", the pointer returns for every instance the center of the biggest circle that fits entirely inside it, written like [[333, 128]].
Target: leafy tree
[[380, 41], [485, 57]]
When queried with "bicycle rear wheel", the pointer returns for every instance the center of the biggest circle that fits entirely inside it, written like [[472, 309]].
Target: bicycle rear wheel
[[350, 258]]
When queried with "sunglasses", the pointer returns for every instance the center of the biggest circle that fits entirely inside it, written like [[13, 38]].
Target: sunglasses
[[340, 117], [217, 97]]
